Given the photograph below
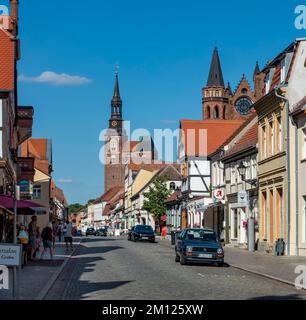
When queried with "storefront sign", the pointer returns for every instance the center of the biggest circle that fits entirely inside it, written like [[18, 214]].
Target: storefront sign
[[26, 189], [219, 194], [10, 254]]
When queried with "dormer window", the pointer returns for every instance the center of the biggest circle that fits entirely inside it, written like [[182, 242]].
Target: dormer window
[[267, 83], [283, 71]]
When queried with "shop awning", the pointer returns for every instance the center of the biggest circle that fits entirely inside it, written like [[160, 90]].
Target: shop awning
[[24, 207]]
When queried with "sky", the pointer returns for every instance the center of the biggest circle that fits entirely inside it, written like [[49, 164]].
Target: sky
[[70, 50]]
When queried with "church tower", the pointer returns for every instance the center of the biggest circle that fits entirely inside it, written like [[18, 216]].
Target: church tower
[[219, 102], [115, 139]]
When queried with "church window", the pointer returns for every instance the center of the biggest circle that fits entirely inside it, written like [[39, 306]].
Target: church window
[[244, 91], [172, 186], [216, 113]]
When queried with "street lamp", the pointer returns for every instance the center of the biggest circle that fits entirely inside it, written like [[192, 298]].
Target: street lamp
[[251, 221], [242, 170]]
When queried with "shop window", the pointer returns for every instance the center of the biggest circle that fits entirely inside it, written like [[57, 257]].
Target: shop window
[[216, 113]]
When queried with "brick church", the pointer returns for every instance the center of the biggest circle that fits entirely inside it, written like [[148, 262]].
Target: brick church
[[119, 151], [219, 101]]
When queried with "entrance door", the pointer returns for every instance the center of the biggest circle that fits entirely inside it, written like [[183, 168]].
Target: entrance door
[[271, 216], [235, 223]]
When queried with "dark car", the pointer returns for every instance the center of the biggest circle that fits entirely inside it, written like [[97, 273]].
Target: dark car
[[129, 234], [143, 232], [102, 232], [90, 232], [199, 246]]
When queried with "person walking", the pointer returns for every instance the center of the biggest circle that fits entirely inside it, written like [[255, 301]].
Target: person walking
[[60, 232], [54, 231], [47, 237], [23, 239], [68, 235], [32, 237], [164, 232], [38, 241]]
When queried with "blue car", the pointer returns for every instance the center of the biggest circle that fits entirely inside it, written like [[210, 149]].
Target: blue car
[[199, 246]]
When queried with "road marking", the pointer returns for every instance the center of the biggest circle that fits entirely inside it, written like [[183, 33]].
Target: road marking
[[201, 275]]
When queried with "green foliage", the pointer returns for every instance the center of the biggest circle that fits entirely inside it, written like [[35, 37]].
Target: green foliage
[[75, 207], [155, 198]]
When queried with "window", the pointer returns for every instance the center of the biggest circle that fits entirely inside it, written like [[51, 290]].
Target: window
[[224, 112], [278, 132], [271, 138], [283, 71], [304, 144], [233, 174], [216, 113], [172, 186], [36, 192], [263, 142], [267, 83], [253, 169]]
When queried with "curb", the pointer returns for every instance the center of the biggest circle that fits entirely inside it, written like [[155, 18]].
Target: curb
[[44, 291], [264, 275]]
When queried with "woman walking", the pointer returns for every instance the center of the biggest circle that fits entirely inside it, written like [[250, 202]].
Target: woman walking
[[47, 237]]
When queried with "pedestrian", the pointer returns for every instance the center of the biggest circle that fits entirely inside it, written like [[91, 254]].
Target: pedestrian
[[54, 231], [60, 232], [47, 237], [32, 237], [68, 235], [23, 239], [38, 241], [164, 232]]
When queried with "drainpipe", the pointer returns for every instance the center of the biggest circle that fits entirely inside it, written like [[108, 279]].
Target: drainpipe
[[288, 164], [295, 124]]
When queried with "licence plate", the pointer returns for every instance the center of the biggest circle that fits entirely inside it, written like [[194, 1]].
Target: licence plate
[[205, 255], [145, 238]]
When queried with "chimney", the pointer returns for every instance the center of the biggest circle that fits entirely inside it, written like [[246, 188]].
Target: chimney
[[14, 15]]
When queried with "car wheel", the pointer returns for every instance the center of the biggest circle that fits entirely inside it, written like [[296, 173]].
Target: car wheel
[[177, 258], [134, 239], [220, 264], [182, 261]]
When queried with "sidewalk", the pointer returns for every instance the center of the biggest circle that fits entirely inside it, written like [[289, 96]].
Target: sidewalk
[[279, 268], [37, 276], [263, 264]]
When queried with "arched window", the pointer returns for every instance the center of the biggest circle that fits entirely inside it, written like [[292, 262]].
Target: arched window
[[216, 113], [208, 112], [172, 185], [224, 111]]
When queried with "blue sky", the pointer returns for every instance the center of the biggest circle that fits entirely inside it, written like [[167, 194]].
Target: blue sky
[[164, 50]]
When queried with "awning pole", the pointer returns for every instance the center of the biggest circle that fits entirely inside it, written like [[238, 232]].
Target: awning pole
[[15, 277]]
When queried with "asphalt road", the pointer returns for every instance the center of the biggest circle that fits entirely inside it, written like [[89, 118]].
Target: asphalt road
[[113, 269]]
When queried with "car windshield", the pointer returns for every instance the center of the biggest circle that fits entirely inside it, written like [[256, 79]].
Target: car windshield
[[144, 228], [200, 235]]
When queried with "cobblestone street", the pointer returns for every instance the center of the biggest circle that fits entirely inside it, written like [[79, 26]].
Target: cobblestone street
[[117, 269]]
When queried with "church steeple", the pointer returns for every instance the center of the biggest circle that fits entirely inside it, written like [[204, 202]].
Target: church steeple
[[116, 102], [215, 78], [116, 120]]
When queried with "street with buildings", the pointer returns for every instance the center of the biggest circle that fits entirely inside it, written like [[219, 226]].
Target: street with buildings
[[238, 170]]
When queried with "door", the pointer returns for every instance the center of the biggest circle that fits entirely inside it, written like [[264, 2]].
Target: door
[[271, 218]]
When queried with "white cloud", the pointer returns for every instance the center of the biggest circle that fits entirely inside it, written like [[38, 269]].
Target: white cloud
[[56, 79]]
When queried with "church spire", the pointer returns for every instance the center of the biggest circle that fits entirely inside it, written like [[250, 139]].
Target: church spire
[[116, 102], [215, 78]]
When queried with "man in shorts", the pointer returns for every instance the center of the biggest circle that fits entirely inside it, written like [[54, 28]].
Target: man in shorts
[[68, 235]]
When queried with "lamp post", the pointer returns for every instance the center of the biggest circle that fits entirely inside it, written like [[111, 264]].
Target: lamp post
[[251, 220]]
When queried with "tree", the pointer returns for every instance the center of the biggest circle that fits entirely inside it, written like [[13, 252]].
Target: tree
[[75, 207], [155, 198]]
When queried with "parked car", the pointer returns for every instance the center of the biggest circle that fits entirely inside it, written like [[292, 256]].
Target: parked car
[[90, 232], [102, 232], [143, 232], [129, 233], [200, 246]]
